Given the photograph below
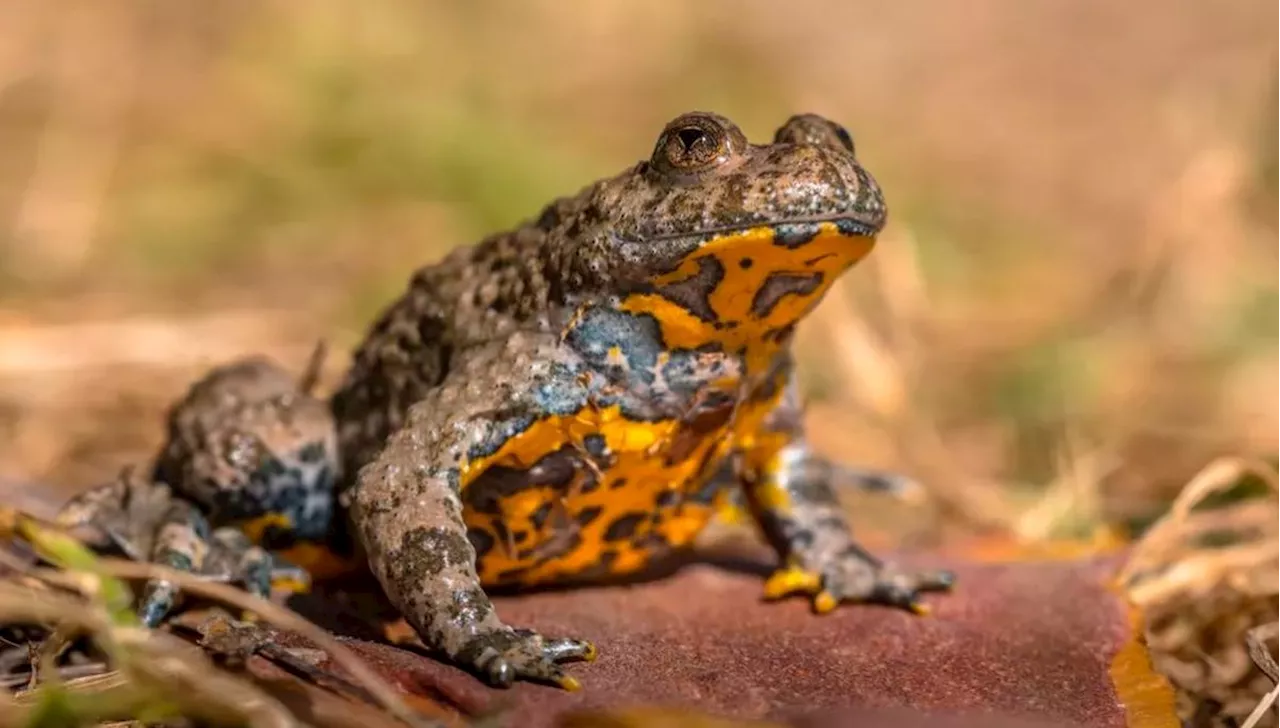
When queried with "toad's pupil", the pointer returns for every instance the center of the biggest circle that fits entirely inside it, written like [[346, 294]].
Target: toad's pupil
[[691, 137]]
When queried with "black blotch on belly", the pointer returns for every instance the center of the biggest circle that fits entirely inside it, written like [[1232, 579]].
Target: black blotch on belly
[[652, 542], [552, 473], [712, 414], [602, 566], [693, 294], [539, 517], [481, 540], [502, 534], [587, 515], [780, 285], [512, 575], [624, 527], [555, 469], [589, 483]]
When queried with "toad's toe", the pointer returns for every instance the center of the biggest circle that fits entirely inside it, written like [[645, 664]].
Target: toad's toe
[[510, 655]]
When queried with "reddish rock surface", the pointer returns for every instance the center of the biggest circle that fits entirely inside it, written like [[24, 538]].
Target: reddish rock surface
[[1016, 644], [1029, 643]]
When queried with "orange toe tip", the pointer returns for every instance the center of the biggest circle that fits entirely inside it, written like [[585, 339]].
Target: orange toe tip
[[591, 653], [921, 610], [824, 603], [773, 591], [569, 683]]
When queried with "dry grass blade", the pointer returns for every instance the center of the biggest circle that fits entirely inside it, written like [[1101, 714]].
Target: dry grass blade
[[276, 615], [883, 382], [101, 682], [279, 616], [1167, 541], [180, 668], [1073, 493], [1256, 716], [315, 366], [269, 612], [1257, 638], [1205, 577], [1199, 573], [153, 668]]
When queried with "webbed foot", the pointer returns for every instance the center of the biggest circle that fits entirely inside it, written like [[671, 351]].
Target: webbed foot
[[146, 522], [504, 656], [183, 542], [852, 575]]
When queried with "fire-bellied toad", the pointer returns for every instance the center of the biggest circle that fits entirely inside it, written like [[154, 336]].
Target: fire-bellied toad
[[570, 399], [561, 403]]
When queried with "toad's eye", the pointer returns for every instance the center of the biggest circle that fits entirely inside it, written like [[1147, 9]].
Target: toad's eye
[[696, 142], [814, 129]]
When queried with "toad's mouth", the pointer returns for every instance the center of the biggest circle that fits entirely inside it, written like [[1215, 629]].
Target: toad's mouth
[[850, 224], [795, 227]]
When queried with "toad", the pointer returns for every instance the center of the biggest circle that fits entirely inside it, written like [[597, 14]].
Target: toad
[[572, 400]]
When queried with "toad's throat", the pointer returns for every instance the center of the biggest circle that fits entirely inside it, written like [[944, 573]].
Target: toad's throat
[[744, 291]]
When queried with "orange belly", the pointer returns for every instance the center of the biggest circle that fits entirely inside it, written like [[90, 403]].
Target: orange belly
[[609, 519]]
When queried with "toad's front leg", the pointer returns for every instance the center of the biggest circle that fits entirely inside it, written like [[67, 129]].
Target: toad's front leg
[[789, 491], [407, 509]]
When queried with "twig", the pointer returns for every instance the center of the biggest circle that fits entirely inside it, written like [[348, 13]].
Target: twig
[[1267, 701], [1256, 640], [12, 522], [315, 364], [275, 614], [67, 672]]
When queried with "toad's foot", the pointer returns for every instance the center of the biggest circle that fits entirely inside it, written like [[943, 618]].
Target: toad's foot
[[146, 522], [183, 543], [506, 655], [852, 575]]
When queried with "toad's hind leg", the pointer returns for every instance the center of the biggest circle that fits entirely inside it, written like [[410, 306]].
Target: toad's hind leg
[[182, 544], [234, 558], [790, 492], [143, 519], [407, 508]]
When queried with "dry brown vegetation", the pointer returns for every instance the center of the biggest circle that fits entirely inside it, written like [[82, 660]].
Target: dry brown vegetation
[[1072, 313]]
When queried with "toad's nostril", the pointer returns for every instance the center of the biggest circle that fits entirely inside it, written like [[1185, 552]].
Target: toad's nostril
[[845, 138]]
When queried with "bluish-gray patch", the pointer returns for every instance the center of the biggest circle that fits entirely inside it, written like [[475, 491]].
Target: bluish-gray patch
[[683, 372], [794, 235], [497, 434], [561, 394], [636, 336]]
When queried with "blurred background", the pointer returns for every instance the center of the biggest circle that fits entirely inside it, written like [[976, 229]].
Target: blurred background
[[1073, 311]]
